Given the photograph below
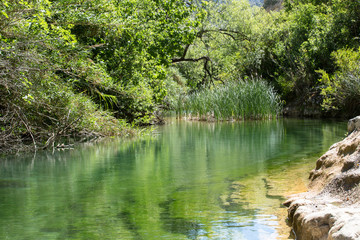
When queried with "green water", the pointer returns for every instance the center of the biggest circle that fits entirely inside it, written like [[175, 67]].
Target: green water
[[191, 181]]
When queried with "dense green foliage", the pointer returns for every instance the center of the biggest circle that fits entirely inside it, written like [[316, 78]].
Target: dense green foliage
[[85, 67], [314, 31], [289, 49], [314, 34]]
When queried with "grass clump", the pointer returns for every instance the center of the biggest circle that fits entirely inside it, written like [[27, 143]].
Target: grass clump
[[232, 101]]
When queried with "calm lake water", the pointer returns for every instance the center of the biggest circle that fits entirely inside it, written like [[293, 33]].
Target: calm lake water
[[192, 180]]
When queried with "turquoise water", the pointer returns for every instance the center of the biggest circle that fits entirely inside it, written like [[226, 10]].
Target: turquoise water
[[192, 180]]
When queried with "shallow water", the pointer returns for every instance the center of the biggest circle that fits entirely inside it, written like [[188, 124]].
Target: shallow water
[[192, 181]]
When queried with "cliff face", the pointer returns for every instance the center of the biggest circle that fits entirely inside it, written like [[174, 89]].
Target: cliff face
[[273, 5], [269, 5], [331, 207]]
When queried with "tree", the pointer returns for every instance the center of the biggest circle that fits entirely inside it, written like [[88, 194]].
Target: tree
[[62, 63], [135, 46], [229, 45]]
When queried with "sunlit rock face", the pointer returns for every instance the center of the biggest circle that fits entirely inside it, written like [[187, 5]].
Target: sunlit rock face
[[354, 124], [273, 5], [331, 207]]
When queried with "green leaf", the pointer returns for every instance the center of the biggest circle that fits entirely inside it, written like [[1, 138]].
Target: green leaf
[[4, 13]]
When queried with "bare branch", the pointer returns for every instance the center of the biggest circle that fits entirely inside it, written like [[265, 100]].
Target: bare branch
[[235, 35], [23, 120], [190, 59]]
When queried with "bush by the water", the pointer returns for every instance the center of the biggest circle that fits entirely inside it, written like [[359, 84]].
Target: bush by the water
[[232, 101], [341, 91]]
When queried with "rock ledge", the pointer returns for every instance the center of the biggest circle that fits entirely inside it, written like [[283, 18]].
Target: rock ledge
[[331, 207]]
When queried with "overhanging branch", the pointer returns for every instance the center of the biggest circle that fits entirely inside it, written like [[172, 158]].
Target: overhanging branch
[[175, 60], [208, 68]]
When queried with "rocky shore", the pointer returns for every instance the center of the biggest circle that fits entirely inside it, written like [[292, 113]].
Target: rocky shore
[[330, 209]]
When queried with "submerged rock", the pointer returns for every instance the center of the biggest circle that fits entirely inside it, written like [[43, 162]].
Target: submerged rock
[[331, 207]]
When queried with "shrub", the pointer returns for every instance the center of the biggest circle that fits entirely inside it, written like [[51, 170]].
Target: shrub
[[341, 91]]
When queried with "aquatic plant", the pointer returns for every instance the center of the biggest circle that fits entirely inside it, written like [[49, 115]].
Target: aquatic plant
[[240, 100]]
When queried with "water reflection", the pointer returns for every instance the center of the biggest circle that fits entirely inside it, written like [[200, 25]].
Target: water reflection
[[193, 181]]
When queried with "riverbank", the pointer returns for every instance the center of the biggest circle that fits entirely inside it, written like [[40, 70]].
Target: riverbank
[[330, 208]]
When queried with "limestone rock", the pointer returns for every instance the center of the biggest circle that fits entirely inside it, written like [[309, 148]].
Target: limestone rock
[[273, 5], [331, 208], [353, 124]]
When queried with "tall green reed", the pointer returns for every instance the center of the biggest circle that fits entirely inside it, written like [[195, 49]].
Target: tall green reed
[[240, 100]]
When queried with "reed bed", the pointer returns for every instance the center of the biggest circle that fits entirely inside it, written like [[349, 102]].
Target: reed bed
[[232, 101]]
